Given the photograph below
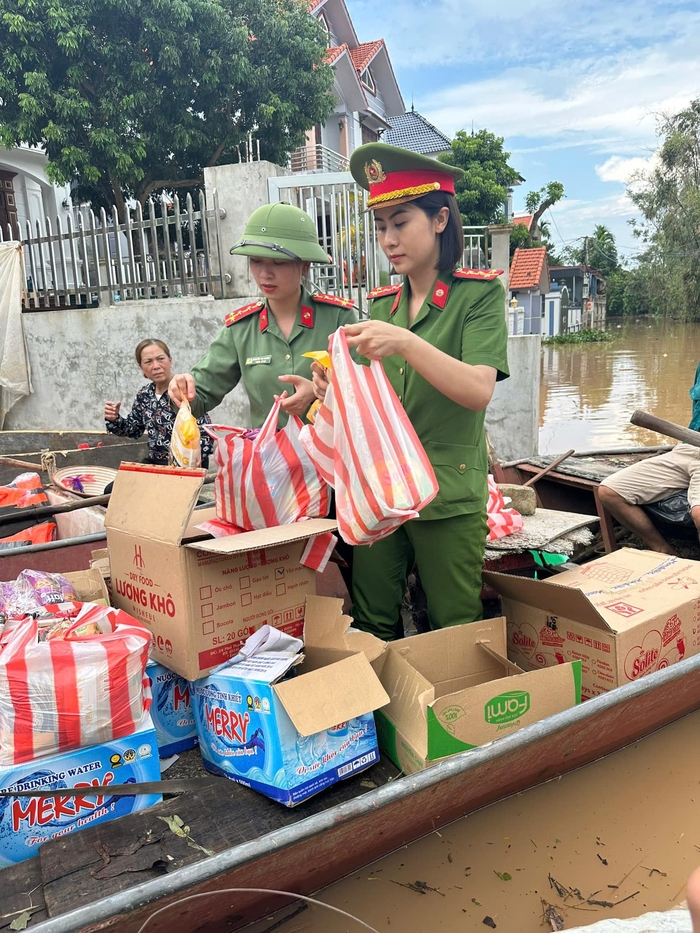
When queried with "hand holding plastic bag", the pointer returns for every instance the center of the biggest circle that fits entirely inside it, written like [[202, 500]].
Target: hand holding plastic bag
[[366, 448]]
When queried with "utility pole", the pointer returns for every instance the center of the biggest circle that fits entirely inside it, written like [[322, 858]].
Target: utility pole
[[586, 285]]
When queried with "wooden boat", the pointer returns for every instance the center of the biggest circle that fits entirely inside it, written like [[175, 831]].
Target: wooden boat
[[260, 845], [80, 532], [572, 485]]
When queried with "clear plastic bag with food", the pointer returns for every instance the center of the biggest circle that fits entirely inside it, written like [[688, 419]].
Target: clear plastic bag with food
[[185, 450]]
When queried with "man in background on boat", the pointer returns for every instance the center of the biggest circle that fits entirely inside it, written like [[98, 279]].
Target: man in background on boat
[[624, 493]]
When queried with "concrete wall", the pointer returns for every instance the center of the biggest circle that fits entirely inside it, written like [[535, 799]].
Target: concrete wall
[[512, 418], [82, 358], [242, 189]]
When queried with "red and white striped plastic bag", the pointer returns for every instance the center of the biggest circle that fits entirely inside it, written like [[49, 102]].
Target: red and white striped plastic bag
[[72, 690], [366, 448], [269, 480], [502, 521]]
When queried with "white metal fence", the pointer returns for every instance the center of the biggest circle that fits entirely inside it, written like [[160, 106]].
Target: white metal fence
[[173, 250], [345, 230]]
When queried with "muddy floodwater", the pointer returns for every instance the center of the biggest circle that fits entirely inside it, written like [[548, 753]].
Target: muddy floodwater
[[624, 830], [588, 392]]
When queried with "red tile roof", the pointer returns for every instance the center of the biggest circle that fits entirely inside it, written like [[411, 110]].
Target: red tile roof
[[527, 220], [334, 52], [314, 3], [364, 53], [526, 268]]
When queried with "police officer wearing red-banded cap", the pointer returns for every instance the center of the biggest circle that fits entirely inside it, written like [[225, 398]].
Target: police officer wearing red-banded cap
[[442, 338], [263, 343]]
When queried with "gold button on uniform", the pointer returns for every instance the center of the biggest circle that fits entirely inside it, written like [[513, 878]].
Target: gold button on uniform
[[463, 466], [401, 371], [288, 356]]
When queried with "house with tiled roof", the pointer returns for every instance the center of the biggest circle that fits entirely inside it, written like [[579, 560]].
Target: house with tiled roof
[[412, 131], [528, 282], [366, 91]]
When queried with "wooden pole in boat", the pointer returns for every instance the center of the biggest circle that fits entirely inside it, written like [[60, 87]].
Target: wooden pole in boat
[[644, 420], [550, 466]]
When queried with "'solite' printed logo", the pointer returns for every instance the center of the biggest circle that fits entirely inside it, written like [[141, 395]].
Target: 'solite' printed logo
[[507, 706]]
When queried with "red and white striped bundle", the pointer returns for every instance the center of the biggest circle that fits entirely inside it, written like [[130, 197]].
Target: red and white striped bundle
[[74, 689], [269, 480], [366, 448], [502, 520]]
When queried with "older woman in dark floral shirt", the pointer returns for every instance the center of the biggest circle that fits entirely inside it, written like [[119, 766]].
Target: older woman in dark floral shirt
[[152, 413]]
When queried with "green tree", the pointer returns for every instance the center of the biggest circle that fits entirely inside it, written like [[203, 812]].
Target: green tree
[[668, 198], [537, 202], [602, 251], [132, 96], [483, 190]]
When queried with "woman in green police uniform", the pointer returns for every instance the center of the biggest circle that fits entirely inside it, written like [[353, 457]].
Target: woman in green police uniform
[[442, 338], [263, 343]]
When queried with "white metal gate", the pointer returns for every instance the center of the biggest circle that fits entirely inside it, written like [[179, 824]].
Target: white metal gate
[[345, 230]]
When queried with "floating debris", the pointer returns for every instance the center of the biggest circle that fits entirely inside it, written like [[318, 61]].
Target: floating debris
[[603, 860], [420, 887], [489, 922], [503, 875], [551, 916]]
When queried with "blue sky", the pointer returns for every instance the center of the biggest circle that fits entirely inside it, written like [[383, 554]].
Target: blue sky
[[575, 88]]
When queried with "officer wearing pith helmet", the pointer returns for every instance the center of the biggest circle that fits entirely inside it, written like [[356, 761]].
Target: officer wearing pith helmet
[[442, 338], [262, 343]]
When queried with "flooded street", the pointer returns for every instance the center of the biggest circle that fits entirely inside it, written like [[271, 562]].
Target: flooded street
[[625, 830], [589, 391]]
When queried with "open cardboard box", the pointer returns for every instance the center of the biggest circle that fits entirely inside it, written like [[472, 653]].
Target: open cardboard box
[[89, 585], [290, 738], [201, 597], [623, 616], [454, 689]]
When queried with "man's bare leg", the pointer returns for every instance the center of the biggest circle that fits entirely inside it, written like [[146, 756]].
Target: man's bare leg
[[637, 521]]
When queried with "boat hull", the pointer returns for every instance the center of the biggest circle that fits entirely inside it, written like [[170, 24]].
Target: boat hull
[[320, 849]]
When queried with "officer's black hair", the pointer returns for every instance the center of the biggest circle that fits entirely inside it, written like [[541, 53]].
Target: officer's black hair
[[452, 237]]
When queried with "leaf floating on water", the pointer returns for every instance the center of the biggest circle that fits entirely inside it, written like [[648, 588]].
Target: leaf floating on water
[[556, 841], [503, 875], [176, 825], [21, 922], [474, 901], [489, 922]]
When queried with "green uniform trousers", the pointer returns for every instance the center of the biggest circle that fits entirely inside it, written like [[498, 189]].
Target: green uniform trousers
[[449, 553]]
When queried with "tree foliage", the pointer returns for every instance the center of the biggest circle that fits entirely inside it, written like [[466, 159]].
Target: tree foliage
[[538, 233], [130, 96], [483, 190], [668, 275], [599, 252], [537, 202]]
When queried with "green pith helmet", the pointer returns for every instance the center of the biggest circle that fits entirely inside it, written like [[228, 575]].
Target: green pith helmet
[[393, 175], [281, 231]]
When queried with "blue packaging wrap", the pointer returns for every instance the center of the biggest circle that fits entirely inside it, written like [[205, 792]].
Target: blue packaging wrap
[[171, 710], [27, 822]]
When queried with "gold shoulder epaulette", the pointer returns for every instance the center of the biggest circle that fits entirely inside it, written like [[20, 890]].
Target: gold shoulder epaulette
[[334, 300], [480, 275], [384, 290], [240, 313]]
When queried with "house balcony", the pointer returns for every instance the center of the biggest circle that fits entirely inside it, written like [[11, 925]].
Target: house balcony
[[316, 158]]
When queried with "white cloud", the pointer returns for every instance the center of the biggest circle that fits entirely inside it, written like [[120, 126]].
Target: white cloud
[[620, 169], [573, 218], [611, 102]]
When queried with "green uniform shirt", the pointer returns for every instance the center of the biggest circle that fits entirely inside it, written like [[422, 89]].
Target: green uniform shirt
[[251, 348], [464, 318]]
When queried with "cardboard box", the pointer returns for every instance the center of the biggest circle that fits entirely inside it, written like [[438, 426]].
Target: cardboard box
[[454, 689], [623, 616], [171, 710], [201, 597], [289, 739], [27, 822], [89, 585]]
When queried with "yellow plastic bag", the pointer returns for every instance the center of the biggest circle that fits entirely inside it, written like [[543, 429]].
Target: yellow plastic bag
[[322, 357], [185, 450]]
